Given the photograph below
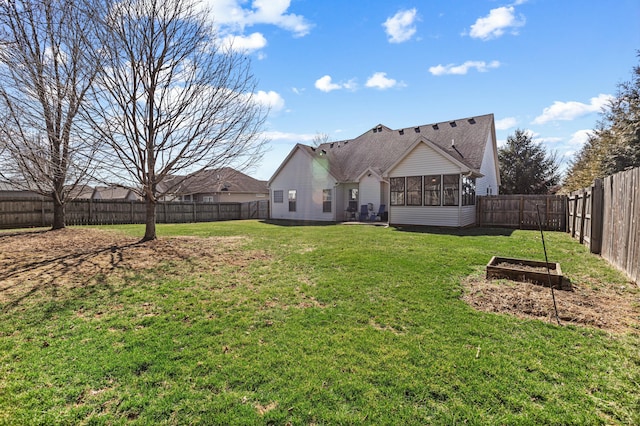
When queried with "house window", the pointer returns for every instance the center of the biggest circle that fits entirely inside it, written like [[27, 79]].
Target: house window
[[397, 191], [207, 198], [414, 190], [278, 196], [326, 201], [292, 200], [451, 190], [432, 190], [353, 200], [468, 191]]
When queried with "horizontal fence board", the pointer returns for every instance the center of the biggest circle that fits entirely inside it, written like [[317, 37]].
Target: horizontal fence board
[[606, 217], [31, 212], [621, 222], [521, 211]]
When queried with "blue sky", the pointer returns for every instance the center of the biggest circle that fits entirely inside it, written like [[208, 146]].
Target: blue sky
[[340, 67]]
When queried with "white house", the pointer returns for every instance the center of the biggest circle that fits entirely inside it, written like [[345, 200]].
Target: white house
[[423, 175]]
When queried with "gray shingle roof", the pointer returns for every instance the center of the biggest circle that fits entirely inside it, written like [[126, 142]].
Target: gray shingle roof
[[213, 181], [381, 147]]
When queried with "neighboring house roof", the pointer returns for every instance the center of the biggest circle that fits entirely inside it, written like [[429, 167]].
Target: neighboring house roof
[[381, 148], [225, 179], [113, 193], [81, 192]]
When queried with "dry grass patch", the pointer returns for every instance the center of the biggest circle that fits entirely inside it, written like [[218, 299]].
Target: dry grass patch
[[69, 258], [600, 305]]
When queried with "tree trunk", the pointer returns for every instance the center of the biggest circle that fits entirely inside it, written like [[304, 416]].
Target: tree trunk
[[58, 214], [150, 224]]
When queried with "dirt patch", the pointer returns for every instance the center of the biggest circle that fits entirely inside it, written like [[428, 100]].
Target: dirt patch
[[50, 260], [607, 307]]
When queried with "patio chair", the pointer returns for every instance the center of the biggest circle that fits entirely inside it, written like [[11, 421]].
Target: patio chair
[[381, 211], [364, 212]]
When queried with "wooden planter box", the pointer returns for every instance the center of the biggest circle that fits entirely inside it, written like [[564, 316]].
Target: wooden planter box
[[527, 271]]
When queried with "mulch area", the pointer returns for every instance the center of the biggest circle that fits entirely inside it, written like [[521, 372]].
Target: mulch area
[[607, 307]]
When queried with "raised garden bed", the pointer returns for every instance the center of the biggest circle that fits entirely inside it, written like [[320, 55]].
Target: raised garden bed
[[527, 271]]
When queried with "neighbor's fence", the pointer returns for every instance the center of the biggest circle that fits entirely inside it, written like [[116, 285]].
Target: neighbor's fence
[[606, 217], [521, 211], [27, 212]]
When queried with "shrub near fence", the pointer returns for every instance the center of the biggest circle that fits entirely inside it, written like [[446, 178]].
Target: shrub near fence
[[29, 212]]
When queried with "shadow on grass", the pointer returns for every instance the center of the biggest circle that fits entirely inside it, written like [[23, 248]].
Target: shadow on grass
[[56, 274], [287, 222], [457, 232]]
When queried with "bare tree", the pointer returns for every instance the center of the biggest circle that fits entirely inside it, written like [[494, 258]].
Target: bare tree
[[319, 138], [44, 79], [171, 99]]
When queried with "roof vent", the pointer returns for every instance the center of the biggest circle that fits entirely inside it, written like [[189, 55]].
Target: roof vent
[[417, 129], [472, 121], [401, 131], [379, 128], [435, 127], [331, 145], [453, 124], [375, 130]]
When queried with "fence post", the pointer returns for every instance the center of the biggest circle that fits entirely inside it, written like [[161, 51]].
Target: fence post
[[521, 218], [597, 202], [583, 214]]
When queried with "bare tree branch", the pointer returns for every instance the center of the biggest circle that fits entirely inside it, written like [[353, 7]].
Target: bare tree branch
[[170, 98], [45, 76]]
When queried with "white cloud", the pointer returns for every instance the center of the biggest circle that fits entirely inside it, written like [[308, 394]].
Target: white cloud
[[270, 99], [230, 13], [549, 140], [247, 44], [401, 26], [480, 66], [326, 84], [580, 137], [506, 123], [380, 81], [496, 23], [571, 110], [288, 137]]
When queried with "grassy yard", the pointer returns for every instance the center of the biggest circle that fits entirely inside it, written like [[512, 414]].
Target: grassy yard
[[254, 323]]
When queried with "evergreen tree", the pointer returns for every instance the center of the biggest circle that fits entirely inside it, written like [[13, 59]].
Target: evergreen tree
[[526, 167], [615, 144]]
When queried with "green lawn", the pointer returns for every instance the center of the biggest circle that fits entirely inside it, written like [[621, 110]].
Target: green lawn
[[321, 325]]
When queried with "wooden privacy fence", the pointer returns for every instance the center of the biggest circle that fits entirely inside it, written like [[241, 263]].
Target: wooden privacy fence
[[585, 216], [27, 212], [606, 218], [521, 211]]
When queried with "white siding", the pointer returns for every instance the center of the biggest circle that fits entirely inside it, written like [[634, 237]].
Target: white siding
[[369, 192], [424, 160], [467, 215], [308, 177], [488, 169], [431, 216]]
